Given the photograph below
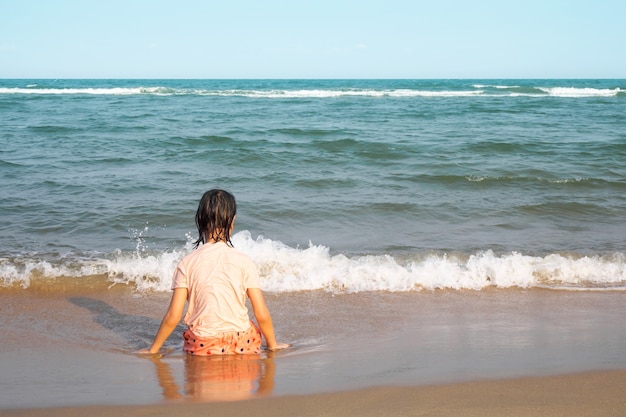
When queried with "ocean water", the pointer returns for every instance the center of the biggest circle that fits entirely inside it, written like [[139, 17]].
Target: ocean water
[[342, 185]]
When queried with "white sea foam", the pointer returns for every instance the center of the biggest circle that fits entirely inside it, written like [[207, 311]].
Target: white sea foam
[[120, 91], [315, 93], [22, 271], [348, 93], [285, 269], [117, 91], [481, 178], [500, 87], [580, 92]]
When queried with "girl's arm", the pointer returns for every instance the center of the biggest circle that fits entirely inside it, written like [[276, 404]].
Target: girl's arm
[[170, 320], [263, 317]]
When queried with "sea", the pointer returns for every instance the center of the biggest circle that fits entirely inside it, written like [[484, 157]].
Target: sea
[[407, 232], [344, 186]]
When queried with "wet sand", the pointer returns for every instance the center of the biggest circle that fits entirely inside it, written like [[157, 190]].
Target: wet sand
[[599, 394], [67, 351]]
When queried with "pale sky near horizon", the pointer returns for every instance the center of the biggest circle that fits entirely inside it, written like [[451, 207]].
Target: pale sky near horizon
[[312, 39]]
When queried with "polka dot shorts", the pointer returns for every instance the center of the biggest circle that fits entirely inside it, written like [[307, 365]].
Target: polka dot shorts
[[228, 343]]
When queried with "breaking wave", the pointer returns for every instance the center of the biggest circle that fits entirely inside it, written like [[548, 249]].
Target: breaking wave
[[287, 269]]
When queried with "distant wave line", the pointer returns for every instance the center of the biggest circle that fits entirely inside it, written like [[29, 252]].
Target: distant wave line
[[481, 91]]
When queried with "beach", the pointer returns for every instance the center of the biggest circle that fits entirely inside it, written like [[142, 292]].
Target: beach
[[428, 247], [589, 394], [510, 352]]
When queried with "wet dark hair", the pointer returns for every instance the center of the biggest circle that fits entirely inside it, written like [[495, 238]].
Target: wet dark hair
[[214, 217]]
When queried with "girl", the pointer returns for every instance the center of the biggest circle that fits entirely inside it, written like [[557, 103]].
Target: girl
[[214, 280]]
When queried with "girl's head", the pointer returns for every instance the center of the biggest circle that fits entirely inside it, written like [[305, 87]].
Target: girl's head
[[215, 216]]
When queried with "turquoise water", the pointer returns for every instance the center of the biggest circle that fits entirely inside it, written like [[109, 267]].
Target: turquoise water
[[345, 185]]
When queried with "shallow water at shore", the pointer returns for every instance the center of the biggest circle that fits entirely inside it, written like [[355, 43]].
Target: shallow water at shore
[[77, 349]]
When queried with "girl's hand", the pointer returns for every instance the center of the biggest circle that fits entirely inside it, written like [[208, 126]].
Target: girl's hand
[[279, 346], [147, 353]]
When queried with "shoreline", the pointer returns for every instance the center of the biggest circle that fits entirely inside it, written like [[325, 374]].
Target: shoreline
[[598, 393], [72, 351]]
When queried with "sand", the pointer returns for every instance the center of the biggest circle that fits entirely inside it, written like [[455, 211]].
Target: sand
[[594, 394], [488, 353]]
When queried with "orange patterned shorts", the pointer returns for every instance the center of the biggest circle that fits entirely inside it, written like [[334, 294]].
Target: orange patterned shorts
[[227, 343]]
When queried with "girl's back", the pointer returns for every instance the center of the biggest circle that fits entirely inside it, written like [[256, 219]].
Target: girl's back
[[217, 277]]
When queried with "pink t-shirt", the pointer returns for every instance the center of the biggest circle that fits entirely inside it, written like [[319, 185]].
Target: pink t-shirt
[[217, 278]]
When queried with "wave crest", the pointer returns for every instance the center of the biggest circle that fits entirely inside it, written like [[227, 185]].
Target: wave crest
[[287, 269], [478, 90]]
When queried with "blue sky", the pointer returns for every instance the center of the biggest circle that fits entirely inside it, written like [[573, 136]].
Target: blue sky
[[312, 39]]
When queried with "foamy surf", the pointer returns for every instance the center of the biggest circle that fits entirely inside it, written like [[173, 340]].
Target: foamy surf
[[269, 94], [288, 269], [479, 90]]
